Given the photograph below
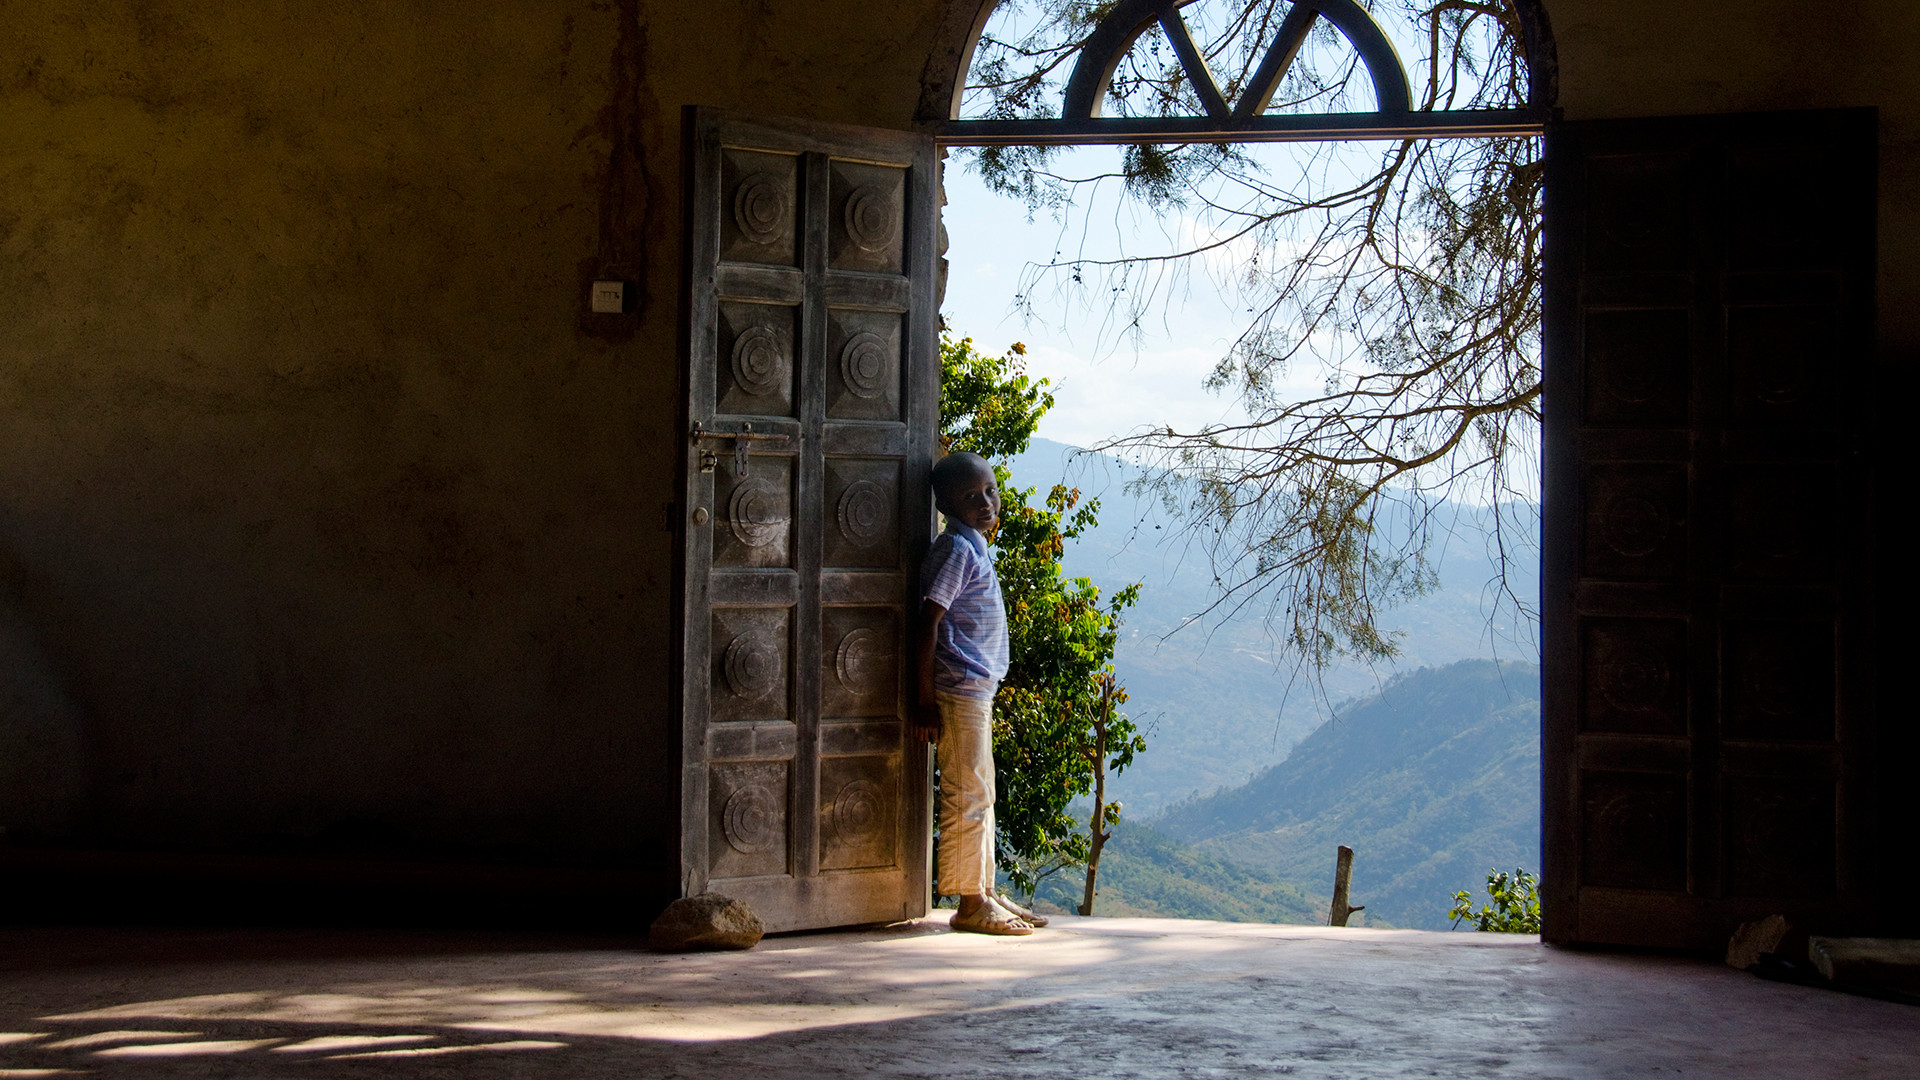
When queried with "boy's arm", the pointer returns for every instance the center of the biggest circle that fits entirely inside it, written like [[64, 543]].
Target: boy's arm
[[926, 714]]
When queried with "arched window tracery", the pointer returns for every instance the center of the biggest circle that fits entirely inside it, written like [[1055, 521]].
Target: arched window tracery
[[1239, 113]]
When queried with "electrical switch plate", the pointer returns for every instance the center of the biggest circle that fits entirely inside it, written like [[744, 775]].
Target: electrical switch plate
[[609, 297]]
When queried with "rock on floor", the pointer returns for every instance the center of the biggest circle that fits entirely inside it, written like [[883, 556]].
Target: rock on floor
[[707, 921]]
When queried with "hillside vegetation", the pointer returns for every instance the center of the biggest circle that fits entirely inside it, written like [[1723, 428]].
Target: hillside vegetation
[[1217, 699], [1432, 776], [1146, 872], [1432, 781]]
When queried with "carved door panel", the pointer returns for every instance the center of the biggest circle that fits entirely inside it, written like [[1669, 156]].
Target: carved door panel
[[1704, 592], [813, 375]]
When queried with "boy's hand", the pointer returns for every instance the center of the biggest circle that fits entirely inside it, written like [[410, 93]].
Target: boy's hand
[[926, 721], [926, 712]]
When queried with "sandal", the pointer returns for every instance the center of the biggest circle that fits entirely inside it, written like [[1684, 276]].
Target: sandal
[[1019, 912], [992, 920]]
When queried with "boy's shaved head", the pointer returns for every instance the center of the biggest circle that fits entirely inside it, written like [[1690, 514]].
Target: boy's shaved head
[[957, 468], [964, 490]]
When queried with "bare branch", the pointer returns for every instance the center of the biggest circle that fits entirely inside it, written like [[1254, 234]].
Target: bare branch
[[1410, 289]]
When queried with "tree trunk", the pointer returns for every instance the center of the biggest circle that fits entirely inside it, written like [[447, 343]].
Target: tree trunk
[[1095, 833], [1098, 837]]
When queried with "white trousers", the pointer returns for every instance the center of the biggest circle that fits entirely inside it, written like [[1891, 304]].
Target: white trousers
[[966, 795]]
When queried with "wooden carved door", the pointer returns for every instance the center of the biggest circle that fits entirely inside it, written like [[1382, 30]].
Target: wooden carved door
[[1704, 586], [811, 414]]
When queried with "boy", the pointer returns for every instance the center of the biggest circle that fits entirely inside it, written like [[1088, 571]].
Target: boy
[[963, 656]]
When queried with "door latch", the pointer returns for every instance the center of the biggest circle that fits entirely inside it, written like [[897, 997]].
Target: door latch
[[742, 440]]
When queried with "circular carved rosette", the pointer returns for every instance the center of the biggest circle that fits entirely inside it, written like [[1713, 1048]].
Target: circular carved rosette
[[751, 820], [1771, 685], [1633, 230], [1623, 815], [864, 513], [1634, 678], [1634, 526], [857, 662], [760, 208], [870, 218], [1778, 377], [857, 812], [1635, 378], [760, 360], [865, 365], [1781, 539], [756, 514], [751, 665], [1770, 829], [1776, 518]]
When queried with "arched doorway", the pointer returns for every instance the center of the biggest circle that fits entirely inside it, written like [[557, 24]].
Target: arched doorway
[[1705, 705]]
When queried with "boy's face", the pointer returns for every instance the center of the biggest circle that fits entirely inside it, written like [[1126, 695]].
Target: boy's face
[[973, 501]]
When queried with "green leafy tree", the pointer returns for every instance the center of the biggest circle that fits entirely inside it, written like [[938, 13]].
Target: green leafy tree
[[1514, 906], [1056, 733], [1403, 277], [988, 404], [1055, 736]]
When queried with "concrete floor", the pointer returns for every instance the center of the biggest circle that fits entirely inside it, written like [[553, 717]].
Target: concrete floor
[[1087, 998]]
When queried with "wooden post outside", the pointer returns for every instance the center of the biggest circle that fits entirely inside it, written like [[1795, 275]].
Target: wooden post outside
[[1342, 881]]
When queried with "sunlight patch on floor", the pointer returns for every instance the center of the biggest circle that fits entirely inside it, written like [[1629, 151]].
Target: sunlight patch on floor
[[101, 1038], [187, 1049], [327, 1043], [423, 1051]]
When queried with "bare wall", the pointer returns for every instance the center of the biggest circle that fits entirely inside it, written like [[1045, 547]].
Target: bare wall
[[329, 519]]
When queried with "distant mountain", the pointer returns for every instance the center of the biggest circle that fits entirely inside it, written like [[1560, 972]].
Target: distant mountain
[[1218, 700], [1432, 781], [1145, 872]]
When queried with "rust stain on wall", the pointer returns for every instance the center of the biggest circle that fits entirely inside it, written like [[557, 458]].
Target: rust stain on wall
[[625, 185]]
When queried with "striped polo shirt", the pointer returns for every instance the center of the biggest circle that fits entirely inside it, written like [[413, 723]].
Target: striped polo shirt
[[970, 655]]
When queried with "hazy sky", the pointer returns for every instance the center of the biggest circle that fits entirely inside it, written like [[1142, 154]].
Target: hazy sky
[[1109, 377], [1107, 381]]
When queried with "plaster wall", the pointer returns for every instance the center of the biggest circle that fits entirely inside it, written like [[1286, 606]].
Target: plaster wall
[[330, 520], [1655, 58]]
